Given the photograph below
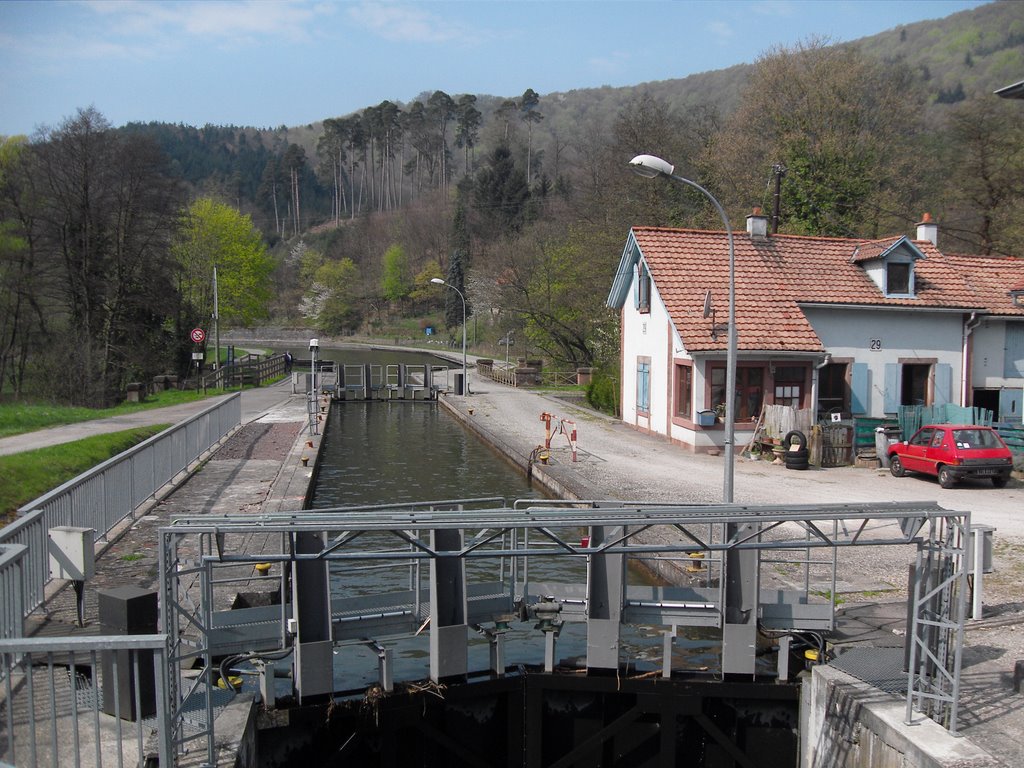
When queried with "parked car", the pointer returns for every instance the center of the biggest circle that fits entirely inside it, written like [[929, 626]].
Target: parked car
[[952, 452]]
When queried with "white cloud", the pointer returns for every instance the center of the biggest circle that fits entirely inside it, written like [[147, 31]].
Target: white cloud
[[227, 23], [407, 23], [721, 31]]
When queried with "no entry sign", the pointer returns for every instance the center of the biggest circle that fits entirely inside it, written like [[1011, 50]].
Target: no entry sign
[[198, 335]]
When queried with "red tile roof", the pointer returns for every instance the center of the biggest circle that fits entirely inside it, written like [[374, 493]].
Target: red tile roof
[[775, 275]]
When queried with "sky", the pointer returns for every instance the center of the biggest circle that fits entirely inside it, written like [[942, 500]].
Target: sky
[[267, 63]]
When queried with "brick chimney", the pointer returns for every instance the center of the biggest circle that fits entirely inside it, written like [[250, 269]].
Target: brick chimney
[[757, 225], [928, 230]]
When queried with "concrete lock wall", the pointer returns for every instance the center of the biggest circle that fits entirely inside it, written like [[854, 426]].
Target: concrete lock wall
[[845, 723]]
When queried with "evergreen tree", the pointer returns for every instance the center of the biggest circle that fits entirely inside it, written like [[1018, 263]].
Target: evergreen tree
[[501, 193], [457, 269]]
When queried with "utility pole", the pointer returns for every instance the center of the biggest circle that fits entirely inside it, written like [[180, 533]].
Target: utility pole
[[216, 325]]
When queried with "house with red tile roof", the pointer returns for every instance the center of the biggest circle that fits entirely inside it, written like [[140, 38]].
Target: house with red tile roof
[[841, 325]]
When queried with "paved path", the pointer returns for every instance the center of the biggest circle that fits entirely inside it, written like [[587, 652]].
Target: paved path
[[254, 402]]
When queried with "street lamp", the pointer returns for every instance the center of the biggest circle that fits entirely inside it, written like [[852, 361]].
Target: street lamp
[[650, 167], [465, 379]]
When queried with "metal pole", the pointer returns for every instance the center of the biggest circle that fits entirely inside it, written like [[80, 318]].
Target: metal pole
[[730, 354], [216, 324]]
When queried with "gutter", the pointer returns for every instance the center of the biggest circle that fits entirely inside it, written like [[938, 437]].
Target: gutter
[[972, 322]]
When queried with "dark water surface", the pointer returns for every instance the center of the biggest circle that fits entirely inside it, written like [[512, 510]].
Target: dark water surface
[[387, 452]]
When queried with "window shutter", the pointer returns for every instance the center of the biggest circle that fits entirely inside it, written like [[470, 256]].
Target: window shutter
[[1013, 361], [943, 390], [637, 277], [892, 387], [859, 388]]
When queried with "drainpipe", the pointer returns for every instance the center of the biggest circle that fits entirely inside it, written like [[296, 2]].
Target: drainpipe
[[972, 323], [814, 380]]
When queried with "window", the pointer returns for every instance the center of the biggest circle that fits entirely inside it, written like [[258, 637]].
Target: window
[[897, 278], [684, 391], [643, 385], [924, 437], [749, 391], [789, 385]]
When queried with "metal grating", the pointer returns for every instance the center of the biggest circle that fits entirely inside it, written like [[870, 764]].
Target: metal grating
[[880, 667]]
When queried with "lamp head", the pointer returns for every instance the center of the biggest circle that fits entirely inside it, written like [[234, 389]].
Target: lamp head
[[437, 280], [314, 344], [650, 166]]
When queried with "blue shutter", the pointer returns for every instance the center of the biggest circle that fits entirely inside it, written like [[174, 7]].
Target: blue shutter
[[1013, 360], [1010, 405], [859, 388], [942, 393], [892, 387], [636, 287]]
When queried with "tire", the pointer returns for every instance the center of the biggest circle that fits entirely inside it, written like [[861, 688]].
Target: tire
[[796, 459], [999, 481], [799, 436], [896, 466], [946, 478]]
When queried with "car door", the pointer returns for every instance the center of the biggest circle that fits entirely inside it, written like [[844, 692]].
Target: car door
[[940, 451], [914, 457]]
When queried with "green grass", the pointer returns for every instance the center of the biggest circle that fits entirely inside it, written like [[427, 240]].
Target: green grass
[[26, 476], [18, 418]]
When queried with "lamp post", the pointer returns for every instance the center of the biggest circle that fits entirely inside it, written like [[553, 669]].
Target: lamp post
[[650, 167], [465, 378]]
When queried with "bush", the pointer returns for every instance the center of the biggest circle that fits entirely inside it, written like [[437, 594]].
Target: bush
[[603, 394]]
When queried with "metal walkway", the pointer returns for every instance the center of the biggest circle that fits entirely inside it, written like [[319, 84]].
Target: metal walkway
[[462, 569]]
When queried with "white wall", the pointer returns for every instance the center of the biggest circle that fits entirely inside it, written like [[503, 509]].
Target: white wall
[[879, 336], [646, 334], [989, 352]]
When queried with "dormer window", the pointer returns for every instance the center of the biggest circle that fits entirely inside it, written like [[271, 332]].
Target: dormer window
[[898, 276]]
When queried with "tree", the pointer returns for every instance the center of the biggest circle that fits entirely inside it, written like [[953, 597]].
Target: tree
[[295, 162], [838, 122], [457, 265], [211, 234], [331, 302], [500, 192], [395, 283], [441, 109], [104, 206], [467, 128], [985, 175], [529, 114]]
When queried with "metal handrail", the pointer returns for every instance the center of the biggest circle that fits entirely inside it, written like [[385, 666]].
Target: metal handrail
[[107, 494]]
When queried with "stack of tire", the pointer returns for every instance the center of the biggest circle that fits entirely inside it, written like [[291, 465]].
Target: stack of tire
[[795, 456]]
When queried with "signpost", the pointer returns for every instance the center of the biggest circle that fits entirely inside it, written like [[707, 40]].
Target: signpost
[[198, 335]]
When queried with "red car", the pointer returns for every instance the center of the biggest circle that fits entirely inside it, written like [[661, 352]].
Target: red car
[[952, 452]]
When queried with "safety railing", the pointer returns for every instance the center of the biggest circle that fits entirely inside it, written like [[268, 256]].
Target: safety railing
[[106, 495], [12, 557], [99, 700]]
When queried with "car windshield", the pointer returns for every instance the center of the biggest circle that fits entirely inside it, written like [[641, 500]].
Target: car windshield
[[976, 438]]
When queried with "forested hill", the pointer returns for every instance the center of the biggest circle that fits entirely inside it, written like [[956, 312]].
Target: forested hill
[[948, 60]]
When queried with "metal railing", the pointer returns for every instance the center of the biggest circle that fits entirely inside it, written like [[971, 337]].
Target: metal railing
[[104, 496], [250, 369], [61, 702]]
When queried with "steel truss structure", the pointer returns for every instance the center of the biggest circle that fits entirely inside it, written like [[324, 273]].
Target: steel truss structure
[[471, 565]]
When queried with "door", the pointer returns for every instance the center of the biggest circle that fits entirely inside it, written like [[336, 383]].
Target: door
[[915, 457]]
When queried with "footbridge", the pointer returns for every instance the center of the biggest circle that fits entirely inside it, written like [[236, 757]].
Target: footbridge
[[478, 582]]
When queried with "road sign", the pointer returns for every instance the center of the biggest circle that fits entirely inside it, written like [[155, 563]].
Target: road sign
[[198, 335]]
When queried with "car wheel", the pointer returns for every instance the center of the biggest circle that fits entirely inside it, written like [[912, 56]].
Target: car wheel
[[896, 466], [946, 478], [999, 481]]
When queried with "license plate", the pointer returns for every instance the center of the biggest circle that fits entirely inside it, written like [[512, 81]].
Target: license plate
[[985, 472]]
